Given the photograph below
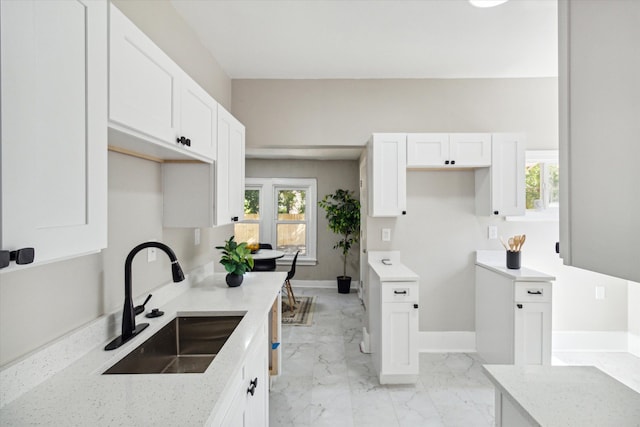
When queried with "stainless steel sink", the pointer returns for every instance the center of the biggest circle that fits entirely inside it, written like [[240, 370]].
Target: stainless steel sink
[[184, 345]]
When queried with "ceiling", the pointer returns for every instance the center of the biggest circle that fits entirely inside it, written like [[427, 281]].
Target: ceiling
[[327, 39], [356, 39]]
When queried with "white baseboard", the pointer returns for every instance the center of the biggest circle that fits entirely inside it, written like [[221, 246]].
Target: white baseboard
[[446, 342], [590, 341], [634, 344], [323, 284]]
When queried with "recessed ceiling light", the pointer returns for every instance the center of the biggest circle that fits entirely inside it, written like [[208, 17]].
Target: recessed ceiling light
[[486, 3]]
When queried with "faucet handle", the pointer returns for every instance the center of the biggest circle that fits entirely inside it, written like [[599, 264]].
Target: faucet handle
[[140, 308]]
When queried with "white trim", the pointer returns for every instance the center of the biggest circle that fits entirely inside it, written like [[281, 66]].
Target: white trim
[[446, 342], [634, 344], [590, 341], [323, 284]]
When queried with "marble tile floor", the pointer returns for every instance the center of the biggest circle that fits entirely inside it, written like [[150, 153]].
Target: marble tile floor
[[328, 381]]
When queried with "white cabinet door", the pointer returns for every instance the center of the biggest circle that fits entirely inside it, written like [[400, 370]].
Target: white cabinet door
[[399, 338], [500, 189], [144, 87], [442, 150], [470, 149], [229, 169], [387, 172], [198, 118], [532, 334], [427, 149], [257, 370], [54, 140]]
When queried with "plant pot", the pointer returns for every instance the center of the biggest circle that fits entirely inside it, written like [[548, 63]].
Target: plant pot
[[234, 280], [344, 284]]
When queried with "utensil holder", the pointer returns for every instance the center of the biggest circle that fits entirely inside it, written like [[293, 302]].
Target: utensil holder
[[513, 260]]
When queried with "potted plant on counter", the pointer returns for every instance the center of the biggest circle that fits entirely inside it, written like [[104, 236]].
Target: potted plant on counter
[[343, 214], [237, 260]]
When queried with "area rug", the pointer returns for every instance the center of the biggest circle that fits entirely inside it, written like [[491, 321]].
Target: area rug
[[302, 315]]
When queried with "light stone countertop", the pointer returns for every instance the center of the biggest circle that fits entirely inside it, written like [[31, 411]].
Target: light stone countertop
[[395, 272], [496, 261], [567, 396], [79, 395]]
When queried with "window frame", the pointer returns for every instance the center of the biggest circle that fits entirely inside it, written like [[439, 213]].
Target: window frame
[[268, 222], [547, 213]]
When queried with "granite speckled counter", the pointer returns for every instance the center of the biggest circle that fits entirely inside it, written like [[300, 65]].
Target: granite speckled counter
[[563, 396], [496, 262], [80, 395]]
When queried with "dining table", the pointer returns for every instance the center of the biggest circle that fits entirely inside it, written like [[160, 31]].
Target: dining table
[[267, 254]]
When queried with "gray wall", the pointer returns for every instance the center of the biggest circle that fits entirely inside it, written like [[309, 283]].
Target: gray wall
[[346, 112], [438, 237], [40, 304], [330, 175]]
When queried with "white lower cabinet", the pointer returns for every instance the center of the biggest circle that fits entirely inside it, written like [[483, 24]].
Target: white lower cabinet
[[513, 319], [250, 404], [393, 329]]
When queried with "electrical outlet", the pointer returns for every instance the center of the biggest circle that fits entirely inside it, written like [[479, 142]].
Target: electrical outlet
[[492, 232], [196, 237], [600, 294], [151, 254], [386, 234]]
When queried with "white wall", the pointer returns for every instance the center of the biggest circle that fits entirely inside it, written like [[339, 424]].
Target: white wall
[[40, 304], [440, 233]]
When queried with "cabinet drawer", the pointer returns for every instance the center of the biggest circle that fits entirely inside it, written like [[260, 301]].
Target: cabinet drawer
[[400, 292], [533, 292]]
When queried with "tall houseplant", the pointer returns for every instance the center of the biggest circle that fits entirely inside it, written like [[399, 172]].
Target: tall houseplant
[[343, 214], [237, 260]]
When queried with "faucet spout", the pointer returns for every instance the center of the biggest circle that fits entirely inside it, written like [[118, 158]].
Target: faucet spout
[[129, 329]]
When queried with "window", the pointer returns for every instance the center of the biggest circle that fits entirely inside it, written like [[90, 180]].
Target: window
[[281, 211], [541, 186]]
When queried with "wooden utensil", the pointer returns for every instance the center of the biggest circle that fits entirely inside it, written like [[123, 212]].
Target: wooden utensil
[[511, 244], [503, 243], [522, 239]]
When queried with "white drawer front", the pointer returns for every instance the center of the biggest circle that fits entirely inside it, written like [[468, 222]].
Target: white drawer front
[[533, 292], [400, 292]]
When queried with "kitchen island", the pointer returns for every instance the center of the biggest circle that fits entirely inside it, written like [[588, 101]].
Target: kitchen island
[[563, 396], [81, 395]]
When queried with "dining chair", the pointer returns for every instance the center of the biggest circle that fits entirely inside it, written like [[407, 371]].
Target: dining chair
[[264, 264], [287, 284]]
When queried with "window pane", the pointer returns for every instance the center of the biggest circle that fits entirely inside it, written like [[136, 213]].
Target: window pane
[[252, 204], [533, 186], [291, 205], [292, 238], [247, 232], [554, 185]]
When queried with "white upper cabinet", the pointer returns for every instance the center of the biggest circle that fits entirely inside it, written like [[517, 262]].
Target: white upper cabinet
[[500, 189], [229, 169], [444, 150], [155, 108], [206, 195], [54, 127], [198, 118], [387, 174]]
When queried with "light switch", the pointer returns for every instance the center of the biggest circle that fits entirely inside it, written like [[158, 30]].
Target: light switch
[[196, 237], [493, 232], [600, 292], [151, 254], [386, 234]]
